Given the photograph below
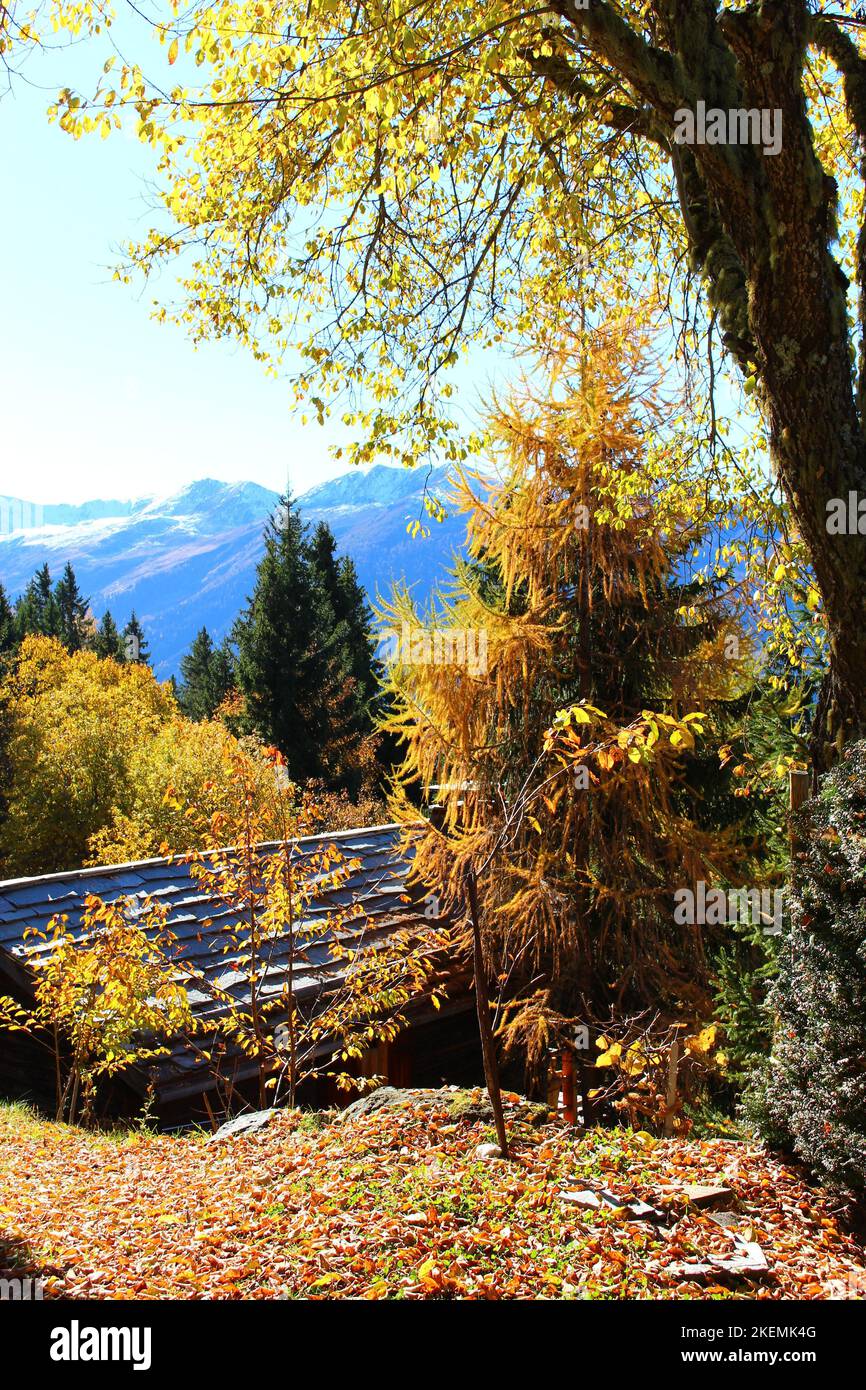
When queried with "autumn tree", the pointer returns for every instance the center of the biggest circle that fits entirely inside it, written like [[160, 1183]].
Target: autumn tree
[[550, 701], [107, 995], [285, 925], [73, 724], [180, 764], [482, 167]]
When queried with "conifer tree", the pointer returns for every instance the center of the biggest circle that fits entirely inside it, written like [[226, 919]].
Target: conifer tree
[[135, 642], [575, 598], [812, 1095], [8, 631], [350, 648], [207, 672], [283, 666], [37, 612], [72, 607], [108, 643]]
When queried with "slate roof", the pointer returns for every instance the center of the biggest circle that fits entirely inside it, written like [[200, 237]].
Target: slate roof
[[377, 887]]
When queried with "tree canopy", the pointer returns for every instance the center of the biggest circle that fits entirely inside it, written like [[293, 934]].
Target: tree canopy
[[386, 187]]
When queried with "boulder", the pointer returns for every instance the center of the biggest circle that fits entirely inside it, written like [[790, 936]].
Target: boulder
[[243, 1124]]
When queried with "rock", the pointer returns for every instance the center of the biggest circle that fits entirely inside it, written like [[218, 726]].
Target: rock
[[243, 1124], [464, 1106], [700, 1196], [471, 1106], [595, 1201], [488, 1151], [588, 1199], [373, 1101]]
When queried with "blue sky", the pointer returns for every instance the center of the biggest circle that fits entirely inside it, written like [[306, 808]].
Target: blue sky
[[97, 399]]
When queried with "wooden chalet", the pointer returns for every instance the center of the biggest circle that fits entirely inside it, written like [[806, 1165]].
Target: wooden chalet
[[439, 1045]]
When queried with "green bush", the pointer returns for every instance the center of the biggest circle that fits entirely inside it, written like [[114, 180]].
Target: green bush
[[814, 1089]]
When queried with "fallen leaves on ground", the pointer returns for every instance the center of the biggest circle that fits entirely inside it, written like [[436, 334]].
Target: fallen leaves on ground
[[398, 1204]]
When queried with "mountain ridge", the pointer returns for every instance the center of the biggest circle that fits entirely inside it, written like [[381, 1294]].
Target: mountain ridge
[[188, 559]]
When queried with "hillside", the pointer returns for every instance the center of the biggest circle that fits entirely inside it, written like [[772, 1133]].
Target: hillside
[[189, 560], [400, 1203]]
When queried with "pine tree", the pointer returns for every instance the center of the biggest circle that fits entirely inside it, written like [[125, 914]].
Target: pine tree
[[283, 666], [108, 643], [208, 676], [72, 607], [135, 642], [37, 611]]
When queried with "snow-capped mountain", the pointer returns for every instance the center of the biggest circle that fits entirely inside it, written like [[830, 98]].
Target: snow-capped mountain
[[188, 561]]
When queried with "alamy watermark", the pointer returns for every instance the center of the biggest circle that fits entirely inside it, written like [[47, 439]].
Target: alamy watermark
[[22, 1290], [703, 906], [847, 516], [20, 516], [738, 126], [420, 646], [77, 1343]]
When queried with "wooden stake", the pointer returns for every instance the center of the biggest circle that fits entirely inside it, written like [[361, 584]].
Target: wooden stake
[[671, 1098]]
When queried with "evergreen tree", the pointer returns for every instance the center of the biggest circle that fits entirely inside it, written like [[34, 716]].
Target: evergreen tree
[[108, 642], [350, 644], [37, 611], [72, 611], [8, 632], [208, 676], [135, 642], [283, 665], [815, 1085]]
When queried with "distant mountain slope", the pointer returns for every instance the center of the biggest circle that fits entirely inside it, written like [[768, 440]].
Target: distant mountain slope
[[189, 560]]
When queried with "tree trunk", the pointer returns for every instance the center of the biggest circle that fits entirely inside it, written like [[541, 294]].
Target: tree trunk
[[482, 1003], [760, 229]]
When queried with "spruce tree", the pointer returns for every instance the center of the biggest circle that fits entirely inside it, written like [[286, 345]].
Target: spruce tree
[[108, 643], [350, 645], [208, 676], [8, 631], [283, 665], [37, 612], [135, 642], [72, 610]]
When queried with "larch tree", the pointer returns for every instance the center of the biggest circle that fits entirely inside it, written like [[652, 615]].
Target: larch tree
[[550, 700], [384, 187]]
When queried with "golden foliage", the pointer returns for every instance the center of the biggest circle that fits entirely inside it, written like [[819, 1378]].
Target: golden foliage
[[560, 767]]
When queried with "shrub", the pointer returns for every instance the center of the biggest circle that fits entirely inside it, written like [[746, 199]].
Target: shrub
[[814, 1090]]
